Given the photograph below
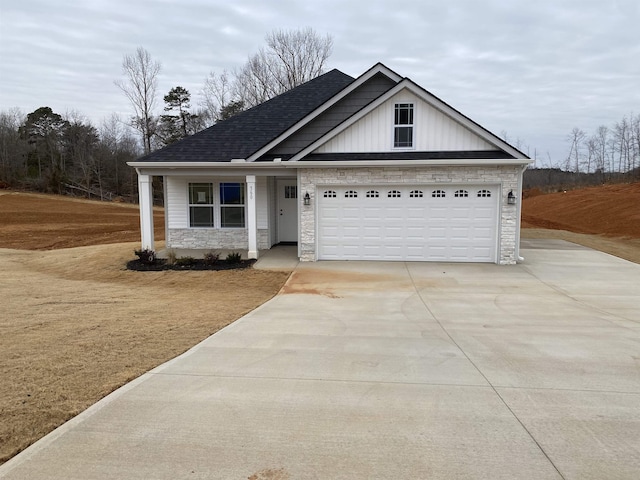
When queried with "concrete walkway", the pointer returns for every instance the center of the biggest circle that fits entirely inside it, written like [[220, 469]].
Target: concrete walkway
[[392, 371]]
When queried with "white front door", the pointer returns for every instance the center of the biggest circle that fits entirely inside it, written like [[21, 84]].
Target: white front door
[[287, 210]]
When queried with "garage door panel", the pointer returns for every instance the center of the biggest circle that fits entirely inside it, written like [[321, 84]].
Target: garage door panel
[[482, 212], [436, 233], [482, 233], [329, 213], [402, 225], [371, 213], [373, 231]]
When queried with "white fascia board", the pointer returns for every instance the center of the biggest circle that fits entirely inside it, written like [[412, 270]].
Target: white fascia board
[[269, 168], [413, 163], [378, 68], [429, 98], [206, 165], [208, 168]]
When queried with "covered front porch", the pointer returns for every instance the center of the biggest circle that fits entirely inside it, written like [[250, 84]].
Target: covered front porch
[[202, 216]]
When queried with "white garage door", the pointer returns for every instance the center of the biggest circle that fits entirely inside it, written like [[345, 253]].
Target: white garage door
[[422, 223]]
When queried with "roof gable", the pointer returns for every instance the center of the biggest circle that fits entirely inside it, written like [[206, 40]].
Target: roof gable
[[433, 130], [477, 137], [377, 70], [318, 125], [241, 135]]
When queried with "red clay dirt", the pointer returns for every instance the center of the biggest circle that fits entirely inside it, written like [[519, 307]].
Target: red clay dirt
[[612, 210], [31, 221]]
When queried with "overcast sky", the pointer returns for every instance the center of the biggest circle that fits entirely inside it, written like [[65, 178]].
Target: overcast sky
[[532, 68]]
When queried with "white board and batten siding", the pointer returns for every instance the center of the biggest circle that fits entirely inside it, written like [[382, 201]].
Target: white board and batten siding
[[177, 199], [433, 130], [408, 222]]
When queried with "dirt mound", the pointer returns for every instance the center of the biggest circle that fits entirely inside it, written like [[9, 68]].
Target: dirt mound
[[613, 210], [30, 221]]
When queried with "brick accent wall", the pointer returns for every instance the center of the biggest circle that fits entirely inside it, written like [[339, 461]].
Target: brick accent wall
[[507, 176], [205, 238]]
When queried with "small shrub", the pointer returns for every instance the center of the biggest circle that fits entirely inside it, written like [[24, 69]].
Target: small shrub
[[234, 258], [146, 256], [211, 258], [171, 257], [186, 261]]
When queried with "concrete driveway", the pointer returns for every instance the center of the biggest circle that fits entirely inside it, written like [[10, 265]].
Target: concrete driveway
[[389, 370]]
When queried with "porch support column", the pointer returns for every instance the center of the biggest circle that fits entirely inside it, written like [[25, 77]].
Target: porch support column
[[252, 219], [145, 194]]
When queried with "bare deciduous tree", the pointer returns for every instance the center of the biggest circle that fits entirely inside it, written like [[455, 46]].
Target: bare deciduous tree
[[600, 140], [13, 149], [141, 75], [635, 130], [576, 137], [80, 143], [289, 59], [117, 147], [217, 94]]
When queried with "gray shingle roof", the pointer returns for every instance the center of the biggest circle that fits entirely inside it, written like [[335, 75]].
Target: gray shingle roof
[[246, 132]]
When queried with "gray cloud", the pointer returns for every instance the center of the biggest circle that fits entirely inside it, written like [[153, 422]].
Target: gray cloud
[[533, 69]]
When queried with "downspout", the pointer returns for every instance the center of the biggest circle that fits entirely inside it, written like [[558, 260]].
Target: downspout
[[519, 214]]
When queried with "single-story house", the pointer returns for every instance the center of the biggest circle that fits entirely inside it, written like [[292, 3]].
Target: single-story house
[[367, 168]]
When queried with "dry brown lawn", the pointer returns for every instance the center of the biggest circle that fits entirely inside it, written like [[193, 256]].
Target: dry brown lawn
[[75, 324]]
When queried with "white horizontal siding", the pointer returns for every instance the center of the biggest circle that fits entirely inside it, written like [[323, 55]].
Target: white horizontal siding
[[433, 131], [177, 207]]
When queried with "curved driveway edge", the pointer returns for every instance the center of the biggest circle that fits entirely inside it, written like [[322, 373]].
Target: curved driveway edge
[[388, 370]]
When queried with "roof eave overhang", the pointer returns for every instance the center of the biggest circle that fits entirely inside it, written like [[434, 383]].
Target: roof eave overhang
[[455, 162], [204, 168], [266, 166], [205, 165]]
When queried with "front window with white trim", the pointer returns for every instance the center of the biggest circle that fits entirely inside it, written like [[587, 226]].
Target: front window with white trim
[[201, 205], [217, 205], [403, 126], [232, 205]]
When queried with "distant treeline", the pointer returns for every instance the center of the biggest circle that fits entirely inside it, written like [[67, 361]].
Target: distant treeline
[[46, 152], [555, 179]]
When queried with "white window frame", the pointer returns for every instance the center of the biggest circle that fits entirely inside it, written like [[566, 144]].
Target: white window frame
[[217, 205], [411, 105], [242, 205], [210, 205]]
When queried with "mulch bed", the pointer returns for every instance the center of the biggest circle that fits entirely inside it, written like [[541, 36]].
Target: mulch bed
[[197, 264]]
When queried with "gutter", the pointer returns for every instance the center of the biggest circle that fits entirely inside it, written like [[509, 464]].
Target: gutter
[[519, 217], [332, 164]]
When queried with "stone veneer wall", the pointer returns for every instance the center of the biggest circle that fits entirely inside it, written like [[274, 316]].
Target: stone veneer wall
[[507, 176], [215, 238]]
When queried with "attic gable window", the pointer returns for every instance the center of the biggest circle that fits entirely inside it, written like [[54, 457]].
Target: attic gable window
[[403, 126]]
